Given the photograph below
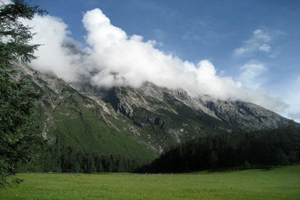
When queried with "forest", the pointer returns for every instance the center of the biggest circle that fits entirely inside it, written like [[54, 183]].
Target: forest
[[232, 150], [220, 151], [69, 159]]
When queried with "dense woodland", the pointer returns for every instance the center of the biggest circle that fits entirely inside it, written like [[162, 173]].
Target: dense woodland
[[67, 159], [257, 149], [235, 150]]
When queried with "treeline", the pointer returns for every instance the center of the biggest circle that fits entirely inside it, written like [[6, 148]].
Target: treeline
[[71, 160], [67, 159], [227, 150]]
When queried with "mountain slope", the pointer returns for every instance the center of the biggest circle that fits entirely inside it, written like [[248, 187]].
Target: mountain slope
[[69, 119], [137, 123]]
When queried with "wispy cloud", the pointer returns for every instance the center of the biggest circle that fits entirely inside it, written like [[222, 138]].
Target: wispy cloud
[[265, 48], [295, 116], [204, 31], [260, 41], [293, 99], [206, 37], [251, 75], [159, 34]]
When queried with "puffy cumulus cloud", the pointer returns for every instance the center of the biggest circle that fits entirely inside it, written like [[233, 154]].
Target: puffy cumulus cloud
[[259, 41], [115, 59], [57, 53], [124, 60], [208, 82], [102, 34]]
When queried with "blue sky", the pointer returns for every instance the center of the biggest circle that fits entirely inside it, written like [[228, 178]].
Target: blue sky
[[192, 29], [256, 43]]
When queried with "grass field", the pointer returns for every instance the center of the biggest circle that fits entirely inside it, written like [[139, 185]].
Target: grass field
[[280, 183]]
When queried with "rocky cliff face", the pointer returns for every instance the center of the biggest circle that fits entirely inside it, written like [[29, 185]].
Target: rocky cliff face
[[237, 115], [246, 116], [149, 118]]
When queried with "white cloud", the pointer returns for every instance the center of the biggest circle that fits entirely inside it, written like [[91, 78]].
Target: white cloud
[[261, 35], [115, 59], [250, 75], [241, 51], [55, 53], [264, 48], [259, 41], [124, 60]]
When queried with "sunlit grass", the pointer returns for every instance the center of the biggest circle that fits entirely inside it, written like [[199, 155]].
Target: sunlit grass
[[280, 183]]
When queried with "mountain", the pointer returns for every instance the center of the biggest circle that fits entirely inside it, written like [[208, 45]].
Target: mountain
[[134, 123]]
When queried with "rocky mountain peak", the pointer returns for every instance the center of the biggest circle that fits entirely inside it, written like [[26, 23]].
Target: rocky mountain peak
[[153, 116]]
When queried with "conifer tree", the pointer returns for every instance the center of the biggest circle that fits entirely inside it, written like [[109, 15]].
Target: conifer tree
[[17, 99]]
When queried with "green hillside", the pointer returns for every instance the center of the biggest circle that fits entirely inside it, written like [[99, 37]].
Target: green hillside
[[78, 132]]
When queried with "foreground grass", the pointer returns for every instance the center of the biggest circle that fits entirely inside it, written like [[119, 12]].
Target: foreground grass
[[280, 183]]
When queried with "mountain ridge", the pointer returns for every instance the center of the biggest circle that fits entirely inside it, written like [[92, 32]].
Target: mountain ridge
[[137, 122]]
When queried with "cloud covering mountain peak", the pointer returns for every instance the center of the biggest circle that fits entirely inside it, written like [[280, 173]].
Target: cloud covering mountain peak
[[112, 58]]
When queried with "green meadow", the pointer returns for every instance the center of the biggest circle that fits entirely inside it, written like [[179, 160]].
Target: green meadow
[[279, 183]]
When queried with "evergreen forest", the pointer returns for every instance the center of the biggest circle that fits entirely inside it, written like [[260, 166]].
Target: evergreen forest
[[232, 150]]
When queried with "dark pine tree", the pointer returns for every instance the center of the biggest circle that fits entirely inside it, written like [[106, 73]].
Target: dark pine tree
[[17, 99]]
